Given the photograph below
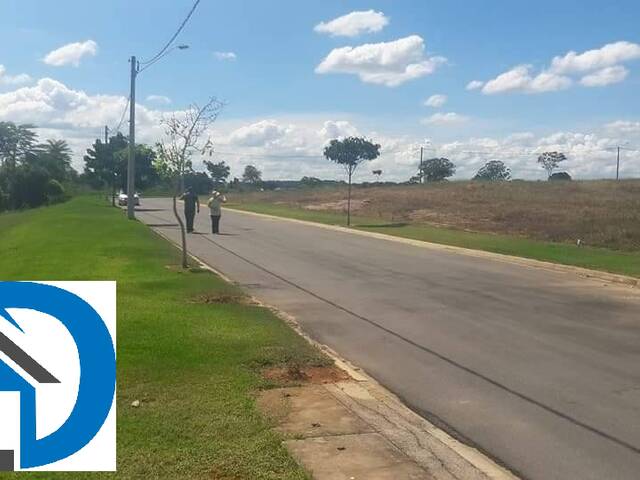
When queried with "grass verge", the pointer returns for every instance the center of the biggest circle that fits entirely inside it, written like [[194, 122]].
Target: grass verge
[[602, 259], [193, 363]]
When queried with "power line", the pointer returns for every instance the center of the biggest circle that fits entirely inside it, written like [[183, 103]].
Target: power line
[[150, 63], [124, 111], [172, 39]]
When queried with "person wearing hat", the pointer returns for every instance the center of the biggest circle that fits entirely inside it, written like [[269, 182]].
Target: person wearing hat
[[215, 207], [191, 204]]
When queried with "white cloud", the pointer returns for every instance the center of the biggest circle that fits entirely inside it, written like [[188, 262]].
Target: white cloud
[[354, 24], [13, 79], [387, 63], [291, 147], [161, 99], [258, 134], [624, 127], [445, 119], [61, 112], [71, 54], [295, 150], [474, 85], [519, 79], [598, 67], [436, 101], [549, 82], [337, 129], [225, 55], [606, 76], [606, 56]]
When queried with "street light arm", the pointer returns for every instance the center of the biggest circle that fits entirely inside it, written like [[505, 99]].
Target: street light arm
[[160, 57]]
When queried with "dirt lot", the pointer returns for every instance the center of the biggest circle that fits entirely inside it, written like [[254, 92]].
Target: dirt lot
[[599, 213]]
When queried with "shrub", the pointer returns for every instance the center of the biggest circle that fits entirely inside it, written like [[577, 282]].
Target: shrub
[[54, 191], [560, 176], [493, 171]]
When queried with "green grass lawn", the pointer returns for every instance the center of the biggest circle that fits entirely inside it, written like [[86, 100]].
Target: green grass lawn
[[194, 365], [587, 257]]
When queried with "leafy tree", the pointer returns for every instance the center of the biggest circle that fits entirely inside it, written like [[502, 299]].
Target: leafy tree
[[437, 169], [251, 175], [30, 174], [351, 152], [105, 163], [183, 135], [146, 173], [493, 171], [31, 186], [16, 141], [199, 182], [219, 172], [550, 161], [562, 176], [27, 187], [54, 156]]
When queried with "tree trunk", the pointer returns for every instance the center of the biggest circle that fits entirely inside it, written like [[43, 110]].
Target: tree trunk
[[182, 232], [113, 193], [349, 202]]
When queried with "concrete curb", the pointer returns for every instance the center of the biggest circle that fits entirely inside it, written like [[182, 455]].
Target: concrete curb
[[526, 262]]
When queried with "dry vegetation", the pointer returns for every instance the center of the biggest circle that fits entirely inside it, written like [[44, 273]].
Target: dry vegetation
[[599, 213]]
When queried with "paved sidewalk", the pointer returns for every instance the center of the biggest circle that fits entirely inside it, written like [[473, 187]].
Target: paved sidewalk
[[357, 430]]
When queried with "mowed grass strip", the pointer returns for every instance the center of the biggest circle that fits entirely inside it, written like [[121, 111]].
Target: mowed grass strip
[[193, 363], [623, 263]]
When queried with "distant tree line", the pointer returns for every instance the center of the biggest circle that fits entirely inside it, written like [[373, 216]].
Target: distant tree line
[[440, 169], [32, 173]]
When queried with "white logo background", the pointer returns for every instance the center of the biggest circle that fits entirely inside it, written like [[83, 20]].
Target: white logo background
[[49, 343]]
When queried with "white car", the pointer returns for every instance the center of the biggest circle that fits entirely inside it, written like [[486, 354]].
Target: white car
[[123, 198]]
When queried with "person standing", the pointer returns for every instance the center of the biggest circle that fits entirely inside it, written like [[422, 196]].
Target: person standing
[[191, 205], [215, 207]]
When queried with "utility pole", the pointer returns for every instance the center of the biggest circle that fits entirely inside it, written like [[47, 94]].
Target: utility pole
[[618, 166], [113, 183], [131, 165], [421, 155]]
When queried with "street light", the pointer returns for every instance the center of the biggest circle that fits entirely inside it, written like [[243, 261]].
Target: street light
[[131, 165]]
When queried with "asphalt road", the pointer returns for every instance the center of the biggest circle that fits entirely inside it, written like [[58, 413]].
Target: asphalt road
[[538, 368]]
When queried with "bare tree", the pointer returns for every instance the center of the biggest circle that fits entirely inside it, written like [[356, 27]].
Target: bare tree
[[184, 136], [550, 161]]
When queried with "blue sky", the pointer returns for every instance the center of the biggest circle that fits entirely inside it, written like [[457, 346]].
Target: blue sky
[[273, 87]]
